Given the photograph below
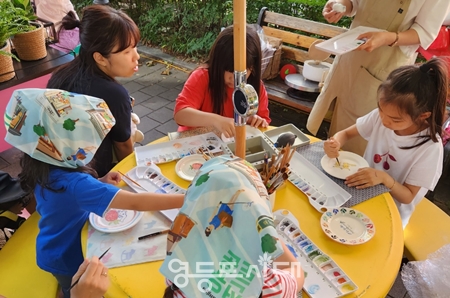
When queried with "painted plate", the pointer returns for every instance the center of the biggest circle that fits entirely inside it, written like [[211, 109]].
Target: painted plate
[[350, 163], [115, 220], [347, 226], [187, 167]]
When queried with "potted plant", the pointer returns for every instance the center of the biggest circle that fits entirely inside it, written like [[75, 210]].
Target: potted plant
[[29, 45], [11, 23]]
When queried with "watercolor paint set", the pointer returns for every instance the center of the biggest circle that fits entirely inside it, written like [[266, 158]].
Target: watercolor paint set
[[149, 179], [179, 148], [278, 137], [323, 277], [255, 147], [270, 141], [322, 192]]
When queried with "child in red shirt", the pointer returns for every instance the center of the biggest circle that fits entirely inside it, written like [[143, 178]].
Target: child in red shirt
[[206, 98]]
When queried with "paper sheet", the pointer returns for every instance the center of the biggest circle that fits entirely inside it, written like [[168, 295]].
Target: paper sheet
[[125, 247]]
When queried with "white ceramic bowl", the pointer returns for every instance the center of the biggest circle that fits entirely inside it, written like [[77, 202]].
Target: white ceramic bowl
[[313, 71]]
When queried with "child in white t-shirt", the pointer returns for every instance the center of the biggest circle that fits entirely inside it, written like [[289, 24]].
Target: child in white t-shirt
[[404, 149]]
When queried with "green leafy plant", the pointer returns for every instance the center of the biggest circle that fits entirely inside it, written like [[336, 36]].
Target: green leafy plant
[[185, 27], [26, 6], [13, 20]]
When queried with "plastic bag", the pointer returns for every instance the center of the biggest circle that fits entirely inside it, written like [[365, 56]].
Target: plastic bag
[[429, 278], [270, 54], [267, 49]]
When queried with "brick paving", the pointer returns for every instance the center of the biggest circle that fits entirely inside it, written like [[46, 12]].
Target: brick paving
[[155, 96]]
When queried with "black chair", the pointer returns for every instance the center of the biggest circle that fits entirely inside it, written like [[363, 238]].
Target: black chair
[[11, 195]]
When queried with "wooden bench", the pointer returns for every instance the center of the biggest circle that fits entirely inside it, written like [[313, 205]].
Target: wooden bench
[[427, 231], [297, 35]]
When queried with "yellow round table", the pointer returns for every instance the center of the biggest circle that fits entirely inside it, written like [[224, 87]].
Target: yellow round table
[[373, 266]]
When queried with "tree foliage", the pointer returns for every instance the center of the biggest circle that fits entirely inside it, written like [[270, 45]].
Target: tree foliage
[[189, 27]]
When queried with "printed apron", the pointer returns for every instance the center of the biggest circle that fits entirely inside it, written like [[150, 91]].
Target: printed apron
[[354, 77]]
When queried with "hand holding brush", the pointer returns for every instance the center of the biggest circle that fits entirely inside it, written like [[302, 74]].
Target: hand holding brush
[[84, 269], [331, 147]]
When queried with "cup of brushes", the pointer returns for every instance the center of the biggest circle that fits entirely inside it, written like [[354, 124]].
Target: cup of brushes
[[275, 170]]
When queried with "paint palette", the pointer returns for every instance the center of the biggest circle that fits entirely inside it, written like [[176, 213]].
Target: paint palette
[[300, 138], [150, 179], [322, 192], [179, 148], [255, 147], [323, 277]]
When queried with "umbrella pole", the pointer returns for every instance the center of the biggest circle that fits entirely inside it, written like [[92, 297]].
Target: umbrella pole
[[240, 62]]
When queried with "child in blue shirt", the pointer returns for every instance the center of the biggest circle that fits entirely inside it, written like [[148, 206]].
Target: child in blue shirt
[[58, 124]]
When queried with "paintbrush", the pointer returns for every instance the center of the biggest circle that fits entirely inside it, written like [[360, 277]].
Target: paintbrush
[[278, 183], [100, 257], [266, 164], [152, 234], [209, 153], [276, 177], [128, 177], [328, 137], [205, 157]]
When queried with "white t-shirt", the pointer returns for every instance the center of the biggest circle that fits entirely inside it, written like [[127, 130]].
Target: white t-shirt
[[424, 16], [419, 166]]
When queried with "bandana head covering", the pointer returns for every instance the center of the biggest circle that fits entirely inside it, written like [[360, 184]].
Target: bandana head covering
[[224, 234], [57, 127]]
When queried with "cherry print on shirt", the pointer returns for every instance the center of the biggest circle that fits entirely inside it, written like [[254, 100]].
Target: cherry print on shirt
[[377, 158]]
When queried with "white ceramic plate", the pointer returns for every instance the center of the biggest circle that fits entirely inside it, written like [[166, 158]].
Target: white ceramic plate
[[115, 220], [188, 166], [350, 163], [345, 42], [347, 226]]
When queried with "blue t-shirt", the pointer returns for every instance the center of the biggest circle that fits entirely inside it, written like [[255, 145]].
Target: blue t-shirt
[[63, 215]]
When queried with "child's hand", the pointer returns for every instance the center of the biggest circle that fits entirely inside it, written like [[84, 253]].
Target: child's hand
[[256, 121], [94, 281], [331, 147], [365, 177], [225, 125], [111, 178]]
